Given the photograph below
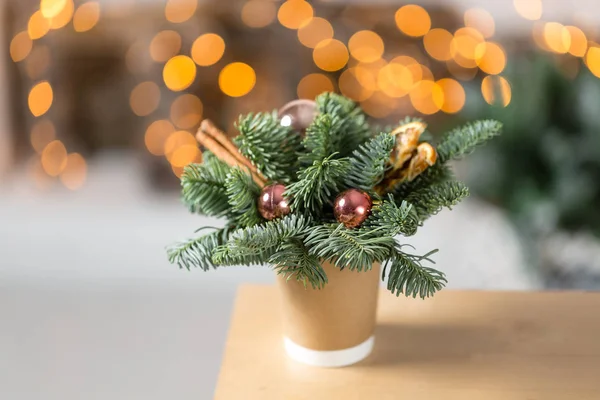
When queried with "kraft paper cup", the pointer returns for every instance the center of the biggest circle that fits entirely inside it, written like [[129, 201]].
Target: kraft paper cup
[[333, 326]]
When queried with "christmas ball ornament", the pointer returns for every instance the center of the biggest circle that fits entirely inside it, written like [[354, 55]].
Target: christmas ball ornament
[[352, 207], [298, 114], [271, 203]]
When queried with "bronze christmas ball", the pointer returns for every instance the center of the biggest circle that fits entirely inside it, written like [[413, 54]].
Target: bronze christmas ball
[[352, 207], [298, 114], [271, 203]]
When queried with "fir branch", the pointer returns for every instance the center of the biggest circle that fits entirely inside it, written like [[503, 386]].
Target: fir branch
[[348, 248], [434, 175], [430, 200], [261, 240], [319, 140], [197, 252], [369, 162], [203, 186], [271, 147], [293, 261], [318, 183], [461, 141], [223, 256], [242, 193], [408, 276], [390, 220]]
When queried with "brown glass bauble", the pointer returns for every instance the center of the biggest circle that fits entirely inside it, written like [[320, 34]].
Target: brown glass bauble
[[352, 207], [271, 203], [298, 114]]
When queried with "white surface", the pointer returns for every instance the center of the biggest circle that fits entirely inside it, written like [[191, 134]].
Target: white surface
[[331, 358], [91, 309]]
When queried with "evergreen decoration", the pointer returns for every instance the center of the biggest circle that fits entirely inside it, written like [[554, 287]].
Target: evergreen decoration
[[339, 152]]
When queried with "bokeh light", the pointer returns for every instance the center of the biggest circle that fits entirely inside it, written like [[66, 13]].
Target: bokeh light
[[86, 16], [315, 31], [395, 79], [42, 133], [179, 73], [54, 158], [437, 43], [74, 173], [496, 90], [413, 20], [38, 26], [481, 20], [20, 46], [144, 98], [529, 9], [427, 97], [258, 13], [156, 136], [178, 11], [460, 72], [164, 45], [237, 79], [313, 85], [465, 43], [557, 37], [294, 13], [186, 111], [491, 58], [379, 105], [208, 49], [51, 8], [592, 60], [330, 55], [177, 140], [184, 155], [579, 41], [38, 62], [40, 98], [350, 85], [537, 33], [454, 95], [366, 46], [64, 16]]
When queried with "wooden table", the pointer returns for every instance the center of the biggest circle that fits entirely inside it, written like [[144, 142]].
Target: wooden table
[[458, 345]]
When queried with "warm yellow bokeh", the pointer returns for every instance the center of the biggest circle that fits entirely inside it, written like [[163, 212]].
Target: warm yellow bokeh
[[208, 49], [413, 20], [86, 16], [592, 60], [144, 98], [579, 41], [367, 74], [437, 43], [164, 45], [313, 85], [366, 46], [42, 133], [184, 155], [529, 9], [481, 20], [52, 8], [64, 17], [40, 98], [315, 31], [379, 105], [237, 79], [465, 44], [176, 140], [294, 13], [186, 111], [38, 62], [557, 37], [54, 158], [74, 173], [491, 58], [258, 13], [156, 136], [179, 73], [20, 46], [496, 90], [454, 95], [330, 55], [38, 26], [395, 79], [460, 72], [350, 86], [178, 11], [427, 97]]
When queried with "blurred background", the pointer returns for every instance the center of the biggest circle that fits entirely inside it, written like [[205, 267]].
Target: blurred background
[[98, 111]]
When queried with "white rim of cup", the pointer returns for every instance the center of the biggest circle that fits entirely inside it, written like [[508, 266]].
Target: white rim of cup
[[328, 358]]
